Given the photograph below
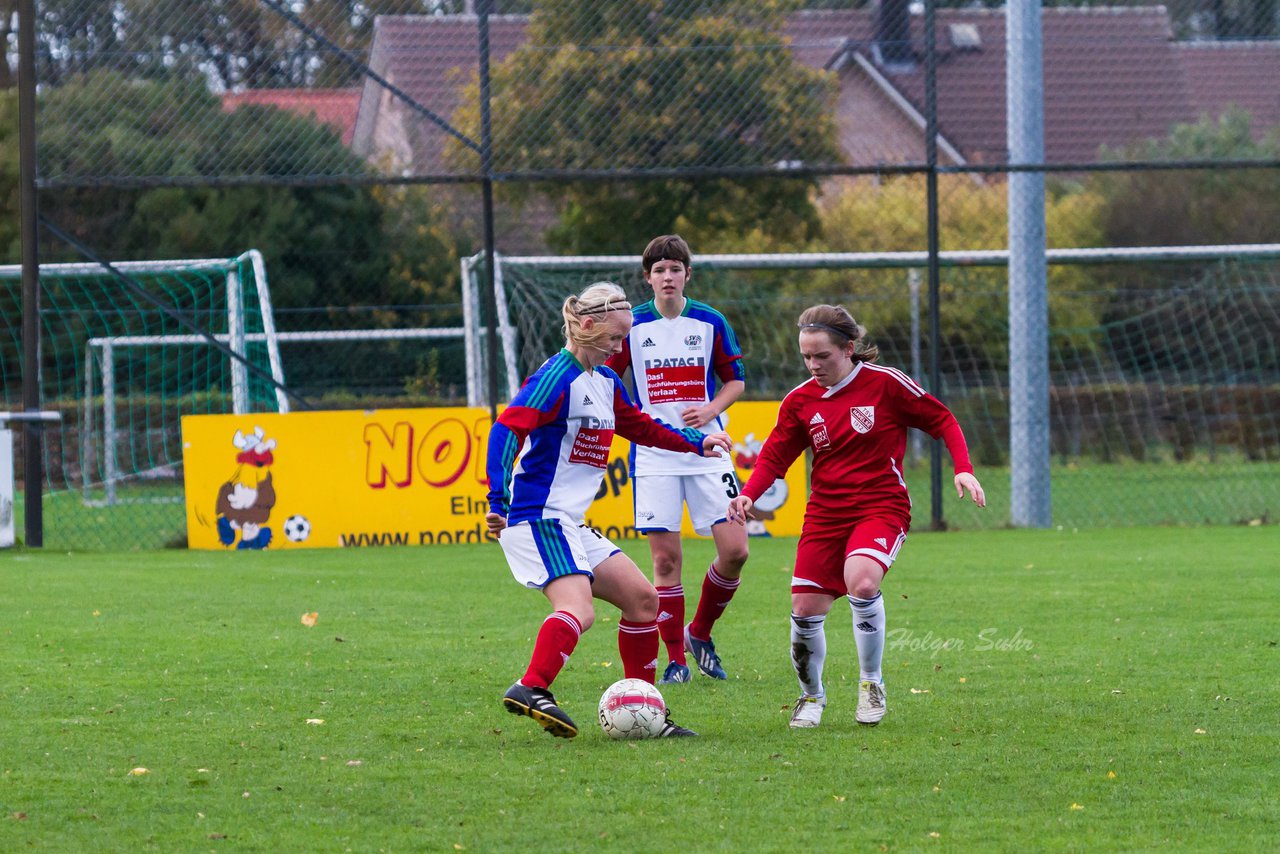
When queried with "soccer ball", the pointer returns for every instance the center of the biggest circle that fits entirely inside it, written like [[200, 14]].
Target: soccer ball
[[632, 708], [297, 528]]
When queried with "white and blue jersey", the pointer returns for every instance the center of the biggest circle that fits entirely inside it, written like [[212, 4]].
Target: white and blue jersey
[[548, 450], [674, 365]]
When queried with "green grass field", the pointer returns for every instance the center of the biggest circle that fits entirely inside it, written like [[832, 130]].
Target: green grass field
[[1099, 689]]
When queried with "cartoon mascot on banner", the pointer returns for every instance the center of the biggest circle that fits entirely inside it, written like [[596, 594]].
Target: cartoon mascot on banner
[[245, 501]]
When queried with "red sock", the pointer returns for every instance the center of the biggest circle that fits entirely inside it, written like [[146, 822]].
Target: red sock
[[671, 621], [556, 639], [638, 647], [717, 592]]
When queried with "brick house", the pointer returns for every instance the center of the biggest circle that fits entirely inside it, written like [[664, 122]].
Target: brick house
[[1111, 76]]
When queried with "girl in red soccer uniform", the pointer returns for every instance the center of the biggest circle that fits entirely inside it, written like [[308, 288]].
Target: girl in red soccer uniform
[[853, 415]]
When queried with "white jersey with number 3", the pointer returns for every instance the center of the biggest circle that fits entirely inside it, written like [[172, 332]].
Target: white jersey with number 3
[[674, 365]]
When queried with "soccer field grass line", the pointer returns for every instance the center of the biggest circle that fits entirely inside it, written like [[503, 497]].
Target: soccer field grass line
[[1051, 689]]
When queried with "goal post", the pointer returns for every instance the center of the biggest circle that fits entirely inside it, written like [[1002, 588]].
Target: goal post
[[476, 328], [529, 289], [1155, 352], [103, 352], [123, 365]]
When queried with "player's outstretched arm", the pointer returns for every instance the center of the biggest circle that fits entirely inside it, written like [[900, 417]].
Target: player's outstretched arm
[[637, 426], [966, 480]]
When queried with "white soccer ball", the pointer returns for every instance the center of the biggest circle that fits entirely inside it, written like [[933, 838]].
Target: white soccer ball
[[297, 528], [632, 708]]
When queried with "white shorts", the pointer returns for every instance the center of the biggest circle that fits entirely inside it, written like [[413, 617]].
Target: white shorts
[[660, 500], [542, 550]]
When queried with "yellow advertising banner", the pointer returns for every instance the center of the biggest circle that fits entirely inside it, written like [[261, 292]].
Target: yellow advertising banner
[[398, 477]]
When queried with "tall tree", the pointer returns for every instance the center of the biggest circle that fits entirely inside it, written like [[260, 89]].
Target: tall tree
[[884, 216], [230, 43], [1211, 205], [661, 85], [249, 44], [322, 244], [74, 37], [8, 32]]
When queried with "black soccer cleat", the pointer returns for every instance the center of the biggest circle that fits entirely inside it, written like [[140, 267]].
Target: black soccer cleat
[[537, 703], [671, 729]]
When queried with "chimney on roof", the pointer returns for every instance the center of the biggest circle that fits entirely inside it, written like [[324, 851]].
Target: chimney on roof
[[893, 35], [965, 37]]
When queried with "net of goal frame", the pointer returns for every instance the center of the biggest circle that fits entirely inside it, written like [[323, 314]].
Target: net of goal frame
[[123, 371], [1155, 353]]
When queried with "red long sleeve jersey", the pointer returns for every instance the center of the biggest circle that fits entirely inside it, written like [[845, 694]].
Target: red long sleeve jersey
[[857, 431]]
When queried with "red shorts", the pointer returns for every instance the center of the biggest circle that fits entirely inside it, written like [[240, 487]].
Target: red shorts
[[820, 557]]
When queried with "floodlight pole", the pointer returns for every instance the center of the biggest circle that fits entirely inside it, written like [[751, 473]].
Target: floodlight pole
[[1030, 503], [486, 189], [32, 473], [937, 522]]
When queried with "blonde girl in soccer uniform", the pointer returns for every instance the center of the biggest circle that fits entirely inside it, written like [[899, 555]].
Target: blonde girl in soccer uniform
[[853, 415], [546, 459], [677, 351]]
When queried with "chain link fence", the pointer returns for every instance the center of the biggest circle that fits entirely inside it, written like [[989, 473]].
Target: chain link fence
[[1143, 387], [349, 144]]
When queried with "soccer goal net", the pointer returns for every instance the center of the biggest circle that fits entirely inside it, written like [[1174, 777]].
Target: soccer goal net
[[1157, 355], [122, 368]]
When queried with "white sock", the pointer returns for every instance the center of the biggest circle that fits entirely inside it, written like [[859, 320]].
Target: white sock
[[809, 652], [868, 633]]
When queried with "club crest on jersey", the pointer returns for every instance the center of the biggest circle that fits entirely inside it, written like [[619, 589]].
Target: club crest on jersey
[[862, 417], [693, 341]]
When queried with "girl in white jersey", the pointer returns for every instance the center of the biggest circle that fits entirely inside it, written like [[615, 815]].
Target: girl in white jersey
[[547, 456], [677, 351]]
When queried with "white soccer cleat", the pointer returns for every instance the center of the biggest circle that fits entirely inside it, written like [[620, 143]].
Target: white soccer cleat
[[871, 702], [808, 712]]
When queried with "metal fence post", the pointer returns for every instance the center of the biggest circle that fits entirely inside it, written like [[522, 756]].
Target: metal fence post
[[1030, 505]]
